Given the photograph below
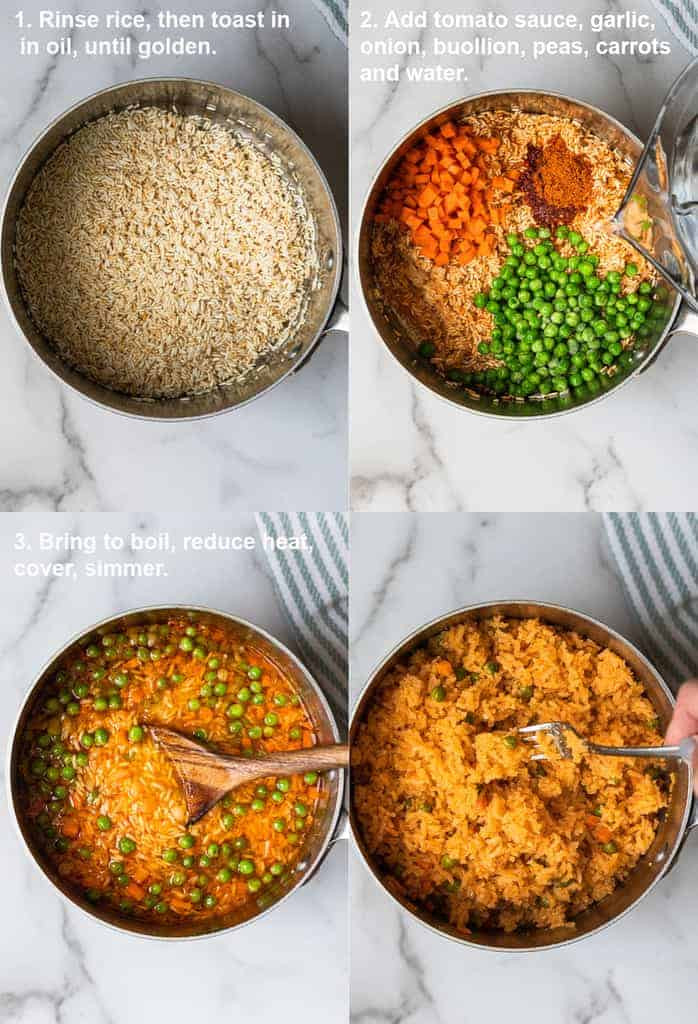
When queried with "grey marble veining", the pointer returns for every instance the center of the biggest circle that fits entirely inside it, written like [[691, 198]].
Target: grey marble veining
[[406, 570], [287, 449], [57, 965], [636, 448]]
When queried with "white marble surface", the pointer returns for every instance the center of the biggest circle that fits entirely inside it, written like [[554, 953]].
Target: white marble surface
[[60, 967], [406, 570], [285, 450], [635, 449]]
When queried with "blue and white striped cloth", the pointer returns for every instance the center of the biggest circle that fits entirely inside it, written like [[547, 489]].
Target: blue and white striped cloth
[[681, 17], [335, 13], [657, 556], [313, 585]]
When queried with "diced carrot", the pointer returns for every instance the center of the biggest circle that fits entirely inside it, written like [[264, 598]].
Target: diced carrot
[[503, 183], [427, 196], [136, 892], [443, 194]]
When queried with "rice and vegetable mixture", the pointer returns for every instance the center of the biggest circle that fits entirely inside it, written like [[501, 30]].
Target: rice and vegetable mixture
[[105, 803], [493, 249], [461, 821], [162, 255]]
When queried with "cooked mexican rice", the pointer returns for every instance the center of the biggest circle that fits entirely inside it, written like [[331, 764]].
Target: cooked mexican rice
[[456, 816]]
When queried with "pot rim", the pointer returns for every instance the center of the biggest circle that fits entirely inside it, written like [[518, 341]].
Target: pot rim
[[409, 642], [363, 226], [336, 270], [333, 818]]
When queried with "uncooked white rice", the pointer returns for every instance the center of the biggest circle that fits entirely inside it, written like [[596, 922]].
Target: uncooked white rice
[[162, 255]]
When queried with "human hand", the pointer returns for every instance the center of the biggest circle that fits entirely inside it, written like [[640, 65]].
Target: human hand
[[684, 721]]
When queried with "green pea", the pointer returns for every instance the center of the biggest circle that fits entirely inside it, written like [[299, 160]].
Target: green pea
[[195, 895], [279, 824], [186, 644], [254, 672], [271, 718], [254, 884], [114, 701], [100, 703], [103, 823], [246, 866], [255, 732], [227, 820], [68, 773], [257, 804], [300, 809], [194, 704], [448, 862], [188, 861], [280, 700], [136, 734], [81, 759], [511, 742], [277, 797], [235, 711], [610, 847], [310, 778], [186, 841], [170, 855], [438, 694], [101, 737]]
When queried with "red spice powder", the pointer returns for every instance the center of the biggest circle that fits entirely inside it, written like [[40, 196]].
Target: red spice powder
[[556, 182]]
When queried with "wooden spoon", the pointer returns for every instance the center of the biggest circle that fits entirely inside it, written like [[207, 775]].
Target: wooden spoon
[[206, 776]]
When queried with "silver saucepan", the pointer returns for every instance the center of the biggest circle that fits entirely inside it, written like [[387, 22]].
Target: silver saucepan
[[678, 317], [324, 829], [224, 106], [681, 817]]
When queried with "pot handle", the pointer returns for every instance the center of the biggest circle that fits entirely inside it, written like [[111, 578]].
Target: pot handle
[[693, 816], [338, 321], [686, 323]]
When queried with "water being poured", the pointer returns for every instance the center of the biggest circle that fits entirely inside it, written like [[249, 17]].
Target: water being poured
[[684, 186], [659, 215]]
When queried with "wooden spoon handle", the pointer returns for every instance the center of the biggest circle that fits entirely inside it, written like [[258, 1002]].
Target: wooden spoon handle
[[293, 762]]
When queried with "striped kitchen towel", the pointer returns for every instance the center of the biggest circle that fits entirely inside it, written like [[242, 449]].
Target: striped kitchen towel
[[313, 583], [681, 17], [335, 13], [657, 555]]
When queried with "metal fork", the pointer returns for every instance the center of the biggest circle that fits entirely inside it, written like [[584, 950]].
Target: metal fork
[[556, 730]]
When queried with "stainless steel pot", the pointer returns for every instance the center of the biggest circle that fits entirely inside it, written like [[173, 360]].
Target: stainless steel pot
[[324, 829], [678, 319], [226, 107], [682, 814]]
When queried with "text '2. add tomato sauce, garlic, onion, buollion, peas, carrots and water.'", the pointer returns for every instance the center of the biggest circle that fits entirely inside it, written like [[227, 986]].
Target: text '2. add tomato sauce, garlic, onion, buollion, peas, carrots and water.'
[[492, 247], [104, 802]]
